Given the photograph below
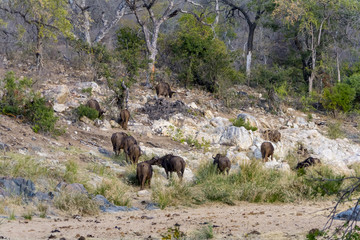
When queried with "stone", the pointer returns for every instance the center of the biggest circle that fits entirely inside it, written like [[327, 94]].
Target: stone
[[59, 93], [220, 122], [95, 87], [59, 107], [208, 114], [73, 187], [249, 118], [114, 124], [282, 166], [86, 120], [237, 136], [352, 214], [193, 105], [143, 193], [16, 186], [98, 122], [300, 121], [188, 175], [108, 207], [4, 147]]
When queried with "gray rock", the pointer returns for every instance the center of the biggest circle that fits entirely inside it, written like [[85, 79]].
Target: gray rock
[[105, 152], [73, 187], [248, 118], [350, 214], [108, 207], [59, 107], [152, 206], [237, 136], [4, 147], [16, 186]]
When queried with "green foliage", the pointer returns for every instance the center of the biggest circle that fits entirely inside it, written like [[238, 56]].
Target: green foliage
[[173, 233], [115, 191], [334, 130], [87, 90], [19, 99], [71, 172], [88, 112], [240, 122], [339, 97], [131, 50], [199, 58], [354, 82], [76, 203], [206, 232], [28, 215], [315, 233], [178, 135], [43, 209]]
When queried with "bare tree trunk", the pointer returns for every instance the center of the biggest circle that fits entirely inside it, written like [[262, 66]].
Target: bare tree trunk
[[107, 26], [39, 49], [338, 66], [312, 76], [250, 45]]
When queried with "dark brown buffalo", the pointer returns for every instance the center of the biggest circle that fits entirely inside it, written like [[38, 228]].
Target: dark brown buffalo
[[134, 152], [126, 143], [164, 90], [267, 149], [144, 172], [171, 164], [92, 103], [310, 161], [116, 140], [222, 162], [272, 135], [124, 118]]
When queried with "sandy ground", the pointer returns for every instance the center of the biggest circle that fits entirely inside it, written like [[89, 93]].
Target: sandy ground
[[244, 221]]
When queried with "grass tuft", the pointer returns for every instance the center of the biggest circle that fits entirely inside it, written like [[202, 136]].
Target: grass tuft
[[76, 203]]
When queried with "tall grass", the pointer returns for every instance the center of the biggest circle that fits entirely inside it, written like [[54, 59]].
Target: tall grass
[[254, 183], [115, 191], [76, 203]]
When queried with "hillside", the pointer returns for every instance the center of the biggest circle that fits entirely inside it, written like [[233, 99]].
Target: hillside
[[195, 126]]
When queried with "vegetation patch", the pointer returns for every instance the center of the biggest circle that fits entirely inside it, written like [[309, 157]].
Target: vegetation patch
[[86, 111], [240, 122], [76, 203]]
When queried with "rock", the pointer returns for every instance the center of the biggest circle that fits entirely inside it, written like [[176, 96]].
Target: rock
[[193, 105], [98, 122], [143, 193], [238, 157], [161, 127], [73, 187], [86, 120], [350, 214], [208, 114], [4, 147], [108, 207], [209, 134], [282, 166], [152, 206], [105, 126], [248, 118], [59, 93], [114, 124], [188, 175], [59, 107], [237, 136], [95, 87], [105, 152], [220, 122], [16, 186], [300, 121]]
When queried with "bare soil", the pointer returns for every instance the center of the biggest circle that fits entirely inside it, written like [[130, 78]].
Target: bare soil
[[244, 221]]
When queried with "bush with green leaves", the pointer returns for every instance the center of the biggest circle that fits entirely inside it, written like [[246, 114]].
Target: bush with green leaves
[[198, 57], [131, 50], [339, 97], [240, 122], [19, 99], [86, 111]]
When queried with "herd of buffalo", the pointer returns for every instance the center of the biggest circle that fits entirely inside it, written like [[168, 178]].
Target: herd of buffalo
[[170, 162]]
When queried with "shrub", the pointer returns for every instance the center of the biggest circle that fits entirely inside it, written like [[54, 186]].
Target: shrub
[[334, 130], [115, 191], [76, 203], [88, 112], [19, 99], [240, 122], [339, 97]]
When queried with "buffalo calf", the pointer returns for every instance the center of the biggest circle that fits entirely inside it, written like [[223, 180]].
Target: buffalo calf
[[92, 103], [267, 149], [124, 118]]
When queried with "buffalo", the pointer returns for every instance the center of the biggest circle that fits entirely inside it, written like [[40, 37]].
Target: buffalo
[[116, 140], [267, 149], [164, 89], [134, 152], [92, 103], [310, 161], [144, 172], [124, 118], [171, 164], [223, 163]]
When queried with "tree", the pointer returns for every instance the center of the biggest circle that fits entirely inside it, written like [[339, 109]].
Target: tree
[[312, 19], [48, 17], [151, 24], [252, 11]]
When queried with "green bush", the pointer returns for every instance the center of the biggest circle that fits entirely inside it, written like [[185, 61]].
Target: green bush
[[88, 112], [339, 97], [19, 99], [240, 122]]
